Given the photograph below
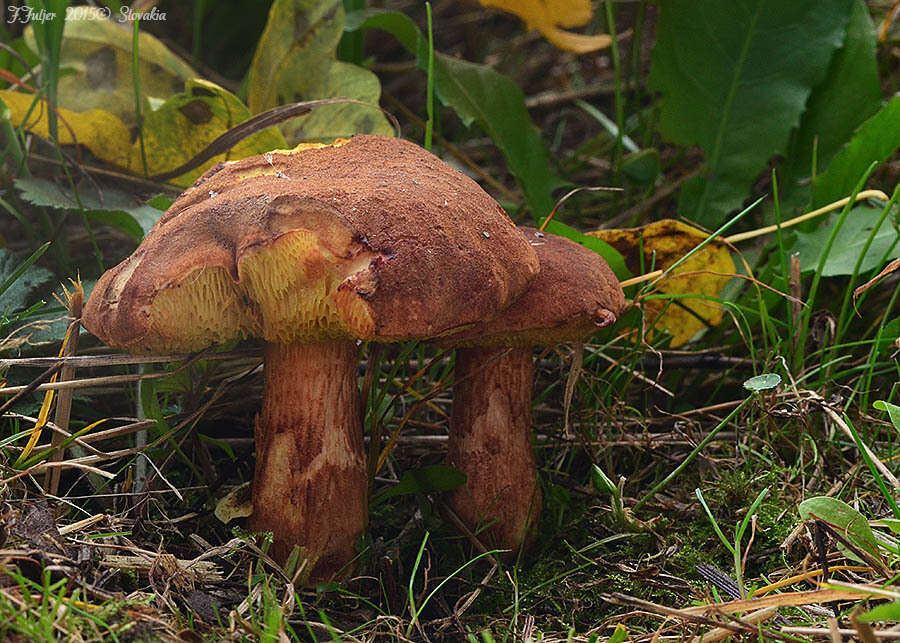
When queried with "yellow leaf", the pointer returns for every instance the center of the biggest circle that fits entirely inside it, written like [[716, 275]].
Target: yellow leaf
[[96, 61], [187, 122], [174, 133], [702, 276], [101, 132], [548, 15]]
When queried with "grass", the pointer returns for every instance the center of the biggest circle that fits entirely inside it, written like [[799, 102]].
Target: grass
[[673, 486]]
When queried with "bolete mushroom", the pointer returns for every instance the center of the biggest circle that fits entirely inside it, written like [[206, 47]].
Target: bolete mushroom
[[574, 294], [373, 239]]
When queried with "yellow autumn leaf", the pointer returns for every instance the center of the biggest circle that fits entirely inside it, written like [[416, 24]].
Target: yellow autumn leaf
[[96, 60], [702, 276], [175, 132], [104, 134], [547, 16]]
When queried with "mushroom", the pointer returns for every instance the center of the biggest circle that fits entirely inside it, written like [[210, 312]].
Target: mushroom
[[574, 294], [372, 239]]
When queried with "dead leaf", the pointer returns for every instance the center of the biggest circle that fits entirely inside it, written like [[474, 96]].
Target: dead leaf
[[38, 528], [238, 503], [96, 60], [547, 16], [703, 275], [178, 129], [888, 269]]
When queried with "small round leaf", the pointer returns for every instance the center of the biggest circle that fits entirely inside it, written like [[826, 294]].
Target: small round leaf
[[763, 382]]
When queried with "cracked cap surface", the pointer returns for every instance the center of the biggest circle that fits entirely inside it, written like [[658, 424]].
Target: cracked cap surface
[[374, 238]]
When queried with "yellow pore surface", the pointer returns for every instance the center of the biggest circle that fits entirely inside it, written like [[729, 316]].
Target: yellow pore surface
[[285, 293]]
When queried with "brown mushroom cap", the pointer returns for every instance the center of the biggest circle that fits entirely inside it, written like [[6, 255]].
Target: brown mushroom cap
[[575, 293], [373, 239]]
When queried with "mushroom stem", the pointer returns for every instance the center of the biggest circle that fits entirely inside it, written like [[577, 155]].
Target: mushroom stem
[[309, 487], [490, 441]]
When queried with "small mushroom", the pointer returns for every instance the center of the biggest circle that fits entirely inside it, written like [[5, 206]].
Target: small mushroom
[[310, 250], [574, 294]]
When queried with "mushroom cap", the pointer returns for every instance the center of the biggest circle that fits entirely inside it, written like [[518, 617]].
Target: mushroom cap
[[374, 239], [575, 293]]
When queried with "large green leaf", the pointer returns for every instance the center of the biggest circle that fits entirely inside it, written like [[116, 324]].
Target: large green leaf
[[295, 60], [112, 207], [478, 94], [850, 93], [876, 140], [846, 520], [96, 58], [735, 77], [849, 243]]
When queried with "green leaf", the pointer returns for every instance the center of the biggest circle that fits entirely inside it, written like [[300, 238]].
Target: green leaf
[[850, 93], [893, 411], [478, 94], [846, 520], [619, 635], [430, 479], [295, 60], [735, 78], [182, 127], [883, 612], [848, 245], [613, 257], [96, 58], [112, 207], [763, 382], [19, 280], [642, 167], [601, 481], [887, 338], [876, 140], [891, 523]]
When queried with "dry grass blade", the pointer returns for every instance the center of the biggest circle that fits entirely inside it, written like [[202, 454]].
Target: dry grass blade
[[44, 413], [571, 382], [864, 631], [116, 359], [882, 468], [75, 302], [808, 575], [888, 269], [751, 619], [821, 632], [788, 599], [623, 599]]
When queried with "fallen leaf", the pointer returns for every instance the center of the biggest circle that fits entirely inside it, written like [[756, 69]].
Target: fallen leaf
[[103, 133], [177, 130], [702, 276], [237, 503], [547, 16], [95, 57], [186, 123], [295, 61]]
